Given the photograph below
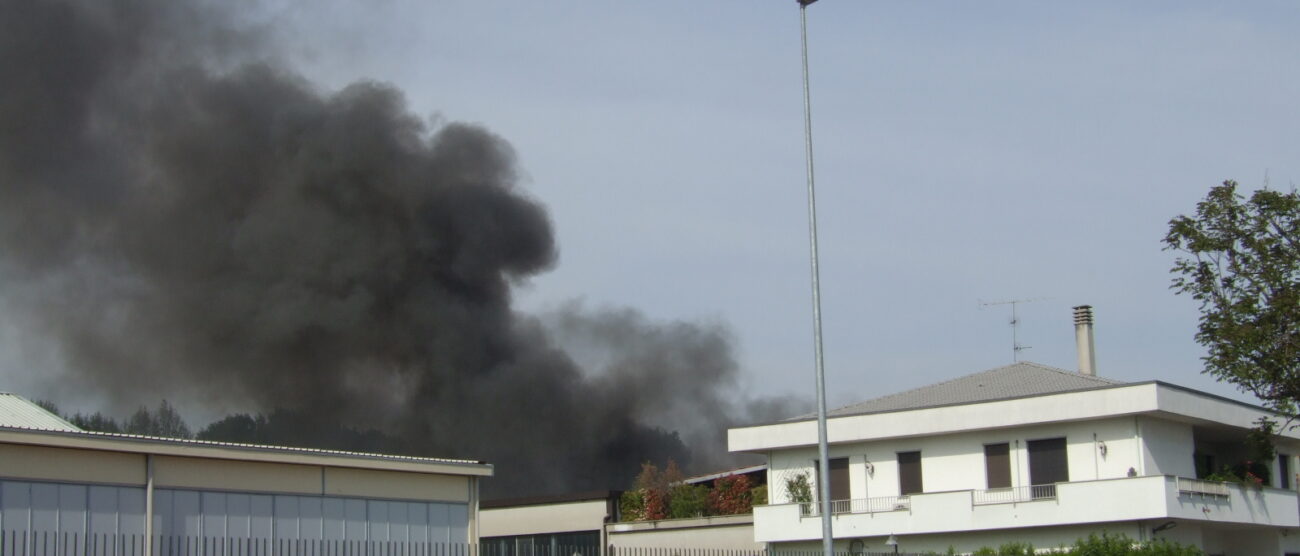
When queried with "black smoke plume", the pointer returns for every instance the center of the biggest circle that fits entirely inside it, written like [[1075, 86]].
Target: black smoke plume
[[183, 215]]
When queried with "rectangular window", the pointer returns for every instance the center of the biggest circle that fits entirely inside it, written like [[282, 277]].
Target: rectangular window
[[997, 465], [1284, 471], [909, 473], [839, 470], [1048, 463]]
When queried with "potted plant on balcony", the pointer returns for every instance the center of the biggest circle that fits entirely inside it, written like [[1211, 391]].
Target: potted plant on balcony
[[799, 489]]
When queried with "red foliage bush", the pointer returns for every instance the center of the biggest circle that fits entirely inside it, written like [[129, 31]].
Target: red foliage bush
[[656, 505], [731, 495]]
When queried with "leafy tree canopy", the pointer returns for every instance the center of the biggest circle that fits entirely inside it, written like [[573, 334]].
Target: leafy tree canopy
[[1240, 258]]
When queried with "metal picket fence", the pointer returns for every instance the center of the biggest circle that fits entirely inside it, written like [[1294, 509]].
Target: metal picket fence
[[24, 543]]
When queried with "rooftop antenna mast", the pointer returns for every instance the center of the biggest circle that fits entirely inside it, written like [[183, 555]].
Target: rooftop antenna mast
[[1016, 346]]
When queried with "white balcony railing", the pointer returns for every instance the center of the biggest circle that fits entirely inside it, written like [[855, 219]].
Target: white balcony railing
[[1012, 495], [860, 506], [1204, 488], [1146, 497]]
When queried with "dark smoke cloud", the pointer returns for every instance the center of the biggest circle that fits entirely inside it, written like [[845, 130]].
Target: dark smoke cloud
[[184, 216]]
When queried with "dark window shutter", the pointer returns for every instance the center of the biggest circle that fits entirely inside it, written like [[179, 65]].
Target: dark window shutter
[[997, 465], [1048, 463], [909, 473], [839, 469]]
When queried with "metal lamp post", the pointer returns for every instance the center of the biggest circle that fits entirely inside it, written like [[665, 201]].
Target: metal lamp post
[[823, 481]]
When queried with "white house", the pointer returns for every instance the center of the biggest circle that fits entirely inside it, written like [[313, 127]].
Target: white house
[[1030, 453]]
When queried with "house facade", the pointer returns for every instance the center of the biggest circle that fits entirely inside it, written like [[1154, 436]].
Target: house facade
[[1030, 453]]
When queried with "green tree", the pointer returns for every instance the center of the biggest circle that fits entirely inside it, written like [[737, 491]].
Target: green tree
[[1240, 259]]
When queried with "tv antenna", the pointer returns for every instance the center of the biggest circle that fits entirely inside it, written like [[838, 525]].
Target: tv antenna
[[1016, 346]]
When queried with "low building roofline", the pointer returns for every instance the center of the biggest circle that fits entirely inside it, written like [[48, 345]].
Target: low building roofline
[[183, 447]]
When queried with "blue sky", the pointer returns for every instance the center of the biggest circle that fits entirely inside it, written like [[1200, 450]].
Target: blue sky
[[966, 152]]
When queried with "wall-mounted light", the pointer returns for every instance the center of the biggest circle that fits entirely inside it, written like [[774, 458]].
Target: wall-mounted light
[[1101, 447], [871, 469]]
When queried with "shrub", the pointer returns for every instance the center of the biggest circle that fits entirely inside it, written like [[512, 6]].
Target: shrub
[[631, 505], [730, 496], [687, 501], [759, 495], [1016, 549], [656, 505], [1121, 545], [798, 489], [1105, 545]]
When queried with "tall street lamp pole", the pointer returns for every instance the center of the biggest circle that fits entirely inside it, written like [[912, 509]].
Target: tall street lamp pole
[[823, 476]]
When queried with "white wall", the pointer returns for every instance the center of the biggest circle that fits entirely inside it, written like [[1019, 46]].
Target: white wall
[[1168, 447], [956, 461], [1040, 537]]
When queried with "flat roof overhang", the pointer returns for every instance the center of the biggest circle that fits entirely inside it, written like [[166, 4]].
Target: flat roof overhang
[[1158, 398]]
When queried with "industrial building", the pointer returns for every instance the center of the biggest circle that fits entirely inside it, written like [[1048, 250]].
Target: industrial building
[[61, 484]]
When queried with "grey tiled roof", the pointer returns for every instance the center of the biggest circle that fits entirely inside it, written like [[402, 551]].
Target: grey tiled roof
[[1012, 381]]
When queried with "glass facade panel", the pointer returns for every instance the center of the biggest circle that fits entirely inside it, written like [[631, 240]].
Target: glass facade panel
[[29, 506], [309, 517]]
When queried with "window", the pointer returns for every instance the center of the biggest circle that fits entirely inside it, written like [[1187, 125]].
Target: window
[[1284, 471], [1204, 464], [997, 465], [839, 470], [909, 473], [1048, 463]]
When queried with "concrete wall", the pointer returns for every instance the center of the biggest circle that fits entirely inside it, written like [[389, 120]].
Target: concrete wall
[[1167, 447], [55, 464], [1242, 543], [970, 541], [18, 461], [718, 532], [561, 517], [956, 461]]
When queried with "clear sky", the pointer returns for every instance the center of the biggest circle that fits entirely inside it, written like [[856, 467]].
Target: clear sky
[[967, 152]]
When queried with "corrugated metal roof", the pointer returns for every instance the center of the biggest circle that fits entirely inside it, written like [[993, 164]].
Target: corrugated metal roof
[[252, 447], [712, 476], [19, 412], [1012, 381]]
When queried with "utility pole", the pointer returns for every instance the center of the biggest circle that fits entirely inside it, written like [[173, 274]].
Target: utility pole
[[823, 477]]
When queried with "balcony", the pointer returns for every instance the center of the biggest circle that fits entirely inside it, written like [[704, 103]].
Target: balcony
[[1125, 499], [859, 506], [1012, 495]]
